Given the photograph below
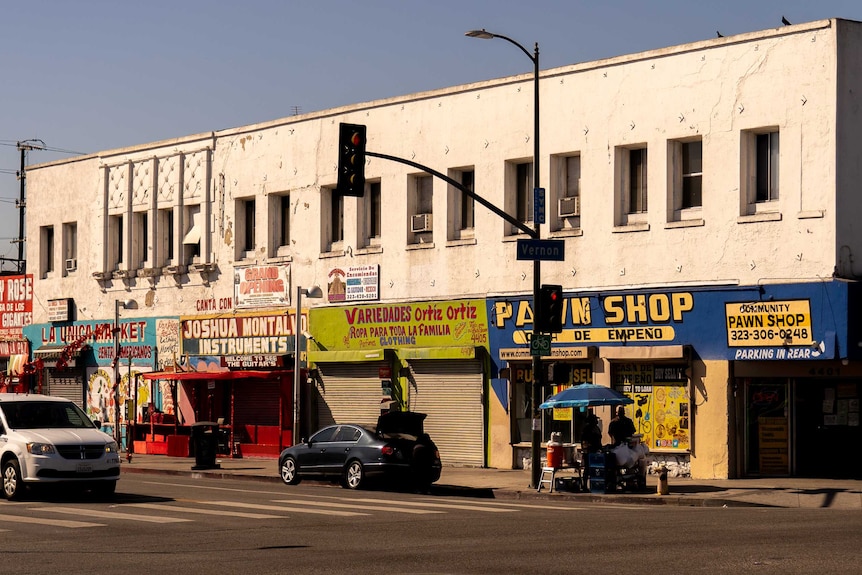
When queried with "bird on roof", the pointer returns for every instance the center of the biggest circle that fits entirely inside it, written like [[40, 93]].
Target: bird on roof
[[719, 34], [785, 21]]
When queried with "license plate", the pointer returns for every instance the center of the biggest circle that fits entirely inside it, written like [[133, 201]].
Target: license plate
[[84, 468]]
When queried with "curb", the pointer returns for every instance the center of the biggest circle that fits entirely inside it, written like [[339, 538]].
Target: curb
[[486, 492]]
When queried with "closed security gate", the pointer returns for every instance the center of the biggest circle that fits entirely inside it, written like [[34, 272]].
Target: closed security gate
[[65, 384], [256, 402], [450, 393], [348, 393]]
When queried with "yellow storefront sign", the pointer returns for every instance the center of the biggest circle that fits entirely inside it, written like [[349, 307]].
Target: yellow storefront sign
[[768, 323]]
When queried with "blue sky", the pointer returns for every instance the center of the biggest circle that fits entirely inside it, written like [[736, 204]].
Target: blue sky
[[90, 75]]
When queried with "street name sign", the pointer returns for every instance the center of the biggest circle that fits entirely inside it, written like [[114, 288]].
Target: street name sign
[[548, 250], [539, 205]]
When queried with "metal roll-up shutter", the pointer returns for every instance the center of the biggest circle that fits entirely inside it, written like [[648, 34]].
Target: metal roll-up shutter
[[65, 384], [348, 393], [256, 402], [450, 393]]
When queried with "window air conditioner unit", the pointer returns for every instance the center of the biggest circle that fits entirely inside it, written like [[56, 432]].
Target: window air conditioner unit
[[420, 223], [71, 264], [570, 206]]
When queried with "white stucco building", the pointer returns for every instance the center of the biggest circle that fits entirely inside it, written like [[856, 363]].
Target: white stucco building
[[705, 193]]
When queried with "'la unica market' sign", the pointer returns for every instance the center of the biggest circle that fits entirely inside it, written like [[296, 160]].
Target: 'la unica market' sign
[[729, 323]]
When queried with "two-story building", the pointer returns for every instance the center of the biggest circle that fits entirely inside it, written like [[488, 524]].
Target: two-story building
[[705, 194]]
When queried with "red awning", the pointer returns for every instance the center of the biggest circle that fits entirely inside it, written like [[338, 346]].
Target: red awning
[[213, 375]]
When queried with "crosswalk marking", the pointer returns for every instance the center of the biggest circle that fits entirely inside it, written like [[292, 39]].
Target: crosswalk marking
[[53, 522], [284, 509], [113, 515], [440, 505], [182, 509], [387, 508]]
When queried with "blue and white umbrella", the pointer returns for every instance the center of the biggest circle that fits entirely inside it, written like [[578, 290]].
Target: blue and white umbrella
[[586, 395]]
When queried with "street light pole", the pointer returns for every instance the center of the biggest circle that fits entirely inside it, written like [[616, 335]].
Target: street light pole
[[313, 292], [536, 391]]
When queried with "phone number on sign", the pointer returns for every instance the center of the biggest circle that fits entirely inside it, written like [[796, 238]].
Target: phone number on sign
[[784, 335]]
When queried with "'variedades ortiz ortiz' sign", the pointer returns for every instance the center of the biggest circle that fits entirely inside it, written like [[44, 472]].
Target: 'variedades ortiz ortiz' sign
[[771, 330], [429, 324]]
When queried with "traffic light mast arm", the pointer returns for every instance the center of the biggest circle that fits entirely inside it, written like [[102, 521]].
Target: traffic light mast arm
[[518, 224]]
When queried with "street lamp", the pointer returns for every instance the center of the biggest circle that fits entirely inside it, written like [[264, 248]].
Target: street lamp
[[536, 399], [128, 304], [313, 292]]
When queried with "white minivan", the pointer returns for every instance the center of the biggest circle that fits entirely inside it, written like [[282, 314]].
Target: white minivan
[[50, 440]]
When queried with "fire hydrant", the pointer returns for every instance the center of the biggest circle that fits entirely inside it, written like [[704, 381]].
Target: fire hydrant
[[663, 488]]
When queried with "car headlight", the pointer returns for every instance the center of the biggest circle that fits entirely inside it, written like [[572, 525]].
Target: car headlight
[[40, 448], [112, 447]]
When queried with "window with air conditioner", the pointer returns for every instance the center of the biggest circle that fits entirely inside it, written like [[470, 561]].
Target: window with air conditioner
[[565, 185], [570, 207], [421, 223], [422, 206], [70, 247]]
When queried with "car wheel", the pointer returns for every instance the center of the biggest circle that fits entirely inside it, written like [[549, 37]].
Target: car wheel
[[354, 475], [288, 471], [13, 487]]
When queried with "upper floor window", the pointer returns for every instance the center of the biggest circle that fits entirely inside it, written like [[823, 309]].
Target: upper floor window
[[245, 233], [140, 239], [332, 214], [760, 155], [371, 223], [46, 251], [118, 245], [460, 206], [278, 216], [686, 167], [524, 192], [767, 167], [637, 181], [165, 243], [194, 226]]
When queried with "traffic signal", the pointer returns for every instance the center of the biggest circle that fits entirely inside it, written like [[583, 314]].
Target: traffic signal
[[548, 317], [351, 160]]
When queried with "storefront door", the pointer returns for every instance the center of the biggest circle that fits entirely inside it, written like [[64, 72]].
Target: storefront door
[[767, 427]]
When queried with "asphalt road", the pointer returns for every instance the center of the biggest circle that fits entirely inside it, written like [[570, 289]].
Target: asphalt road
[[176, 524]]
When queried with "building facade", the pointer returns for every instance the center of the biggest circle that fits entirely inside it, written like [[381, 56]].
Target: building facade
[[705, 195]]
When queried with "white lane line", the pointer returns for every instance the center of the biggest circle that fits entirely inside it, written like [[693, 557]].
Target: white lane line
[[113, 515], [53, 522], [386, 508], [284, 509], [440, 505], [181, 509]]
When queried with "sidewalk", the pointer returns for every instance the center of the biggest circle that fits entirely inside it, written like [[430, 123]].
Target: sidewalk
[[514, 484]]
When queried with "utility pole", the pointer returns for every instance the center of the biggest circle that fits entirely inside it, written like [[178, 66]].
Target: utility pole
[[23, 147]]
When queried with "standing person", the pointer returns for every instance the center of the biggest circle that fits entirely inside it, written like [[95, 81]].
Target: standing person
[[591, 435], [621, 427]]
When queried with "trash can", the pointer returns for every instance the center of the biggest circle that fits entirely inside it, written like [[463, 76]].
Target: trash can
[[205, 444]]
